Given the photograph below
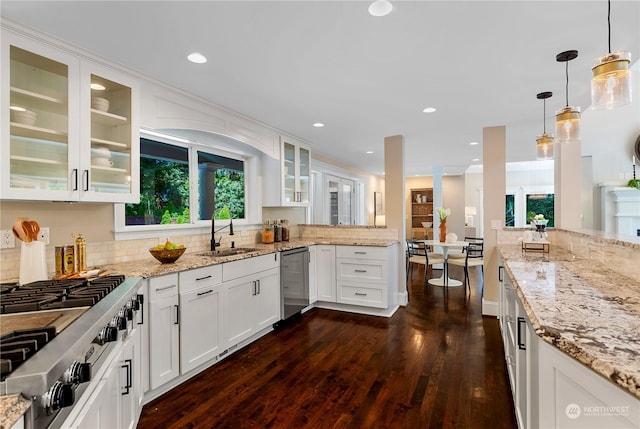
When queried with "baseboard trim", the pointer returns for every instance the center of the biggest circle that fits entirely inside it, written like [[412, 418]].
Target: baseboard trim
[[490, 308]]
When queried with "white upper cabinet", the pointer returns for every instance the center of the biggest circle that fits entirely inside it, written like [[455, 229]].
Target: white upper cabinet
[[286, 181], [56, 144]]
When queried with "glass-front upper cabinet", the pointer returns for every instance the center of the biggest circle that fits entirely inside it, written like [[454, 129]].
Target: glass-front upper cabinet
[[48, 128], [296, 169]]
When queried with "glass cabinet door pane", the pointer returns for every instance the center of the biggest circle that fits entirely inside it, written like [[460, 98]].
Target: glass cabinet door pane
[[110, 136], [305, 170], [39, 110], [289, 173]]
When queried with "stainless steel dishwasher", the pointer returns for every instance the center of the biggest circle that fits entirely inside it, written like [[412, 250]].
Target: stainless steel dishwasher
[[294, 281]]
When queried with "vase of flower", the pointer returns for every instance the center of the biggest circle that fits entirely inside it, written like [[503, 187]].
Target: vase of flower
[[443, 214], [443, 231]]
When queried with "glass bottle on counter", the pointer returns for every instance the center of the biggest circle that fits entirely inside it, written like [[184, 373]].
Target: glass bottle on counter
[[80, 253], [285, 229], [267, 232], [277, 231]]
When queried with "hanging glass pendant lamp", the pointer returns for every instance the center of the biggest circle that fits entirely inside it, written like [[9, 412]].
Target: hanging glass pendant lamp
[[611, 82], [568, 117], [544, 142]]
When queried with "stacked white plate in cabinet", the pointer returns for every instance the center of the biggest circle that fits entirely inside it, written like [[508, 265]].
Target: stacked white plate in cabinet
[[99, 103], [25, 117]]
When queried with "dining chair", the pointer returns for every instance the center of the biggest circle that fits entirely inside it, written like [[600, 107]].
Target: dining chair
[[418, 253], [462, 254], [474, 257]]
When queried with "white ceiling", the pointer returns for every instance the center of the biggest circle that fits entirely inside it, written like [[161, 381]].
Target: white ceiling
[[292, 63]]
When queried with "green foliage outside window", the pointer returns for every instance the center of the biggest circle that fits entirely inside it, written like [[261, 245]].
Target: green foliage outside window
[[229, 194], [542, 206]]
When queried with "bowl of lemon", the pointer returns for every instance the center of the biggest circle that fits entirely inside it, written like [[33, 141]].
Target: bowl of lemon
[[168, 252]]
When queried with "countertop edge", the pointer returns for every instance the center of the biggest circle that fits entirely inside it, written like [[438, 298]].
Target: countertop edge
[[12, 408]]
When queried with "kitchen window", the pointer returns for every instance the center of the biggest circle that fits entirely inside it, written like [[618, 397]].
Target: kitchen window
[[183, 184]]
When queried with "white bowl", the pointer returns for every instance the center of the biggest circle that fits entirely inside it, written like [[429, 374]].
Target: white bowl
[[99, 103], [427, 224], [101, 152], [26, 117], [103, 162]]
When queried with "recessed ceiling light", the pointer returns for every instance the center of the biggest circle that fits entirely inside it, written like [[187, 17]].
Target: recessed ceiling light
[[197, 57], [475, 159], [473, 143], [429, 110], [369, 152], [380, 8], [98, 87], [318, 125], [17, 109]]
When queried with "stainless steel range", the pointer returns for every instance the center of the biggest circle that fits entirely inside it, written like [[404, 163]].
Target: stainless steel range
[[57, 334]]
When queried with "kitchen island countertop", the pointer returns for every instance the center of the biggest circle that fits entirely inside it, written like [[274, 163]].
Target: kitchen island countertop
[[149, 267], [12, 408], [584, 308]]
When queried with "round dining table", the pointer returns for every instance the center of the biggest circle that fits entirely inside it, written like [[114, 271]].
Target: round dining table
[[444, 280]]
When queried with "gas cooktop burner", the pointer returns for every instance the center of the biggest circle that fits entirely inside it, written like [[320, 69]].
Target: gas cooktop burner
[[54, 294], [17, 346]]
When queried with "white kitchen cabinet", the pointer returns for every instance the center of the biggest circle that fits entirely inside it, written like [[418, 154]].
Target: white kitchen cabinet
[[326, 269], [129, 364], [66, 150], [201, 332], [286, 180], [362, 274], [103, 411], [164, 334], [313, 274], [252, 296]]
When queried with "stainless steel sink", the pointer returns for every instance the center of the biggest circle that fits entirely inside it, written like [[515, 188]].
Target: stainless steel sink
[[229, 252]]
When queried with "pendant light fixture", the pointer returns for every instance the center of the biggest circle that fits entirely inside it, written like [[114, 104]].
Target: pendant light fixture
[[611, 82], [568, 117], [544, 142]]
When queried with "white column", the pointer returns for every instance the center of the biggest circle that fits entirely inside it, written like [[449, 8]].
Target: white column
[[568, 185], [494, 187], [437, 198], [395, 204]]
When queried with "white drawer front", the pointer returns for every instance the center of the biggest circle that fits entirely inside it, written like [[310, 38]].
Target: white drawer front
[[354, 294], [361, 252], [246, 267], [199, 277], [163, 287], [362, 271]]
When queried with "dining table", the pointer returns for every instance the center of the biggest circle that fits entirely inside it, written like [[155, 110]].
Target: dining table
[[444, 280]]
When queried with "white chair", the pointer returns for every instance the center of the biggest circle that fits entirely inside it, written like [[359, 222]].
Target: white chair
[[473, 258]]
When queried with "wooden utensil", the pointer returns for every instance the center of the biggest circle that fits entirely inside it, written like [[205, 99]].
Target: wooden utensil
[[20, 230]]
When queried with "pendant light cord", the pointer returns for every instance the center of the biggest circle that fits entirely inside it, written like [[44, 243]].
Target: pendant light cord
[[544, 116], [609, 22], [566, 88]]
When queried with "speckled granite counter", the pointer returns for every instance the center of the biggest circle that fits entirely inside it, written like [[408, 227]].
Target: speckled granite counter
[[12, 408], [584, 308], [149, 267]]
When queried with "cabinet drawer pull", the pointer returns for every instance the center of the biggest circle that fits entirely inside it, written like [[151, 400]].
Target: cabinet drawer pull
[[205, 292], [254, 292], [160, 289], [360, 253], [129, 384], [360, 294], [360, 271], [259, 288], [177, 322], [140, 299], [521, 344], [203, 278]]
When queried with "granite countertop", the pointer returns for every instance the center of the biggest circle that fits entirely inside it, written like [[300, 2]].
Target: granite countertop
[[12, 408], [582, 307], [151, 268]]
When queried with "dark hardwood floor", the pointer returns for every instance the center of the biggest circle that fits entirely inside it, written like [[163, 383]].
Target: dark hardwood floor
[[435, 364]]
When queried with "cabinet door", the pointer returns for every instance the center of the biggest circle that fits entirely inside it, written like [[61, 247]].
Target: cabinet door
[[304, 170], [238, 317], [326, 280], [163, 330], [266, 301], [103, 407], [39, 133], [200, 328], [126, 366], [110, 154]]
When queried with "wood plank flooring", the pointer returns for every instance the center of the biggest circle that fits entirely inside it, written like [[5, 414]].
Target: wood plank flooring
[[435, 364]]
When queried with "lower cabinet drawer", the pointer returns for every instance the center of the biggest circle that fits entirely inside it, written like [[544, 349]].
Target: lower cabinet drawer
[[354, 294], [363, 271]]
